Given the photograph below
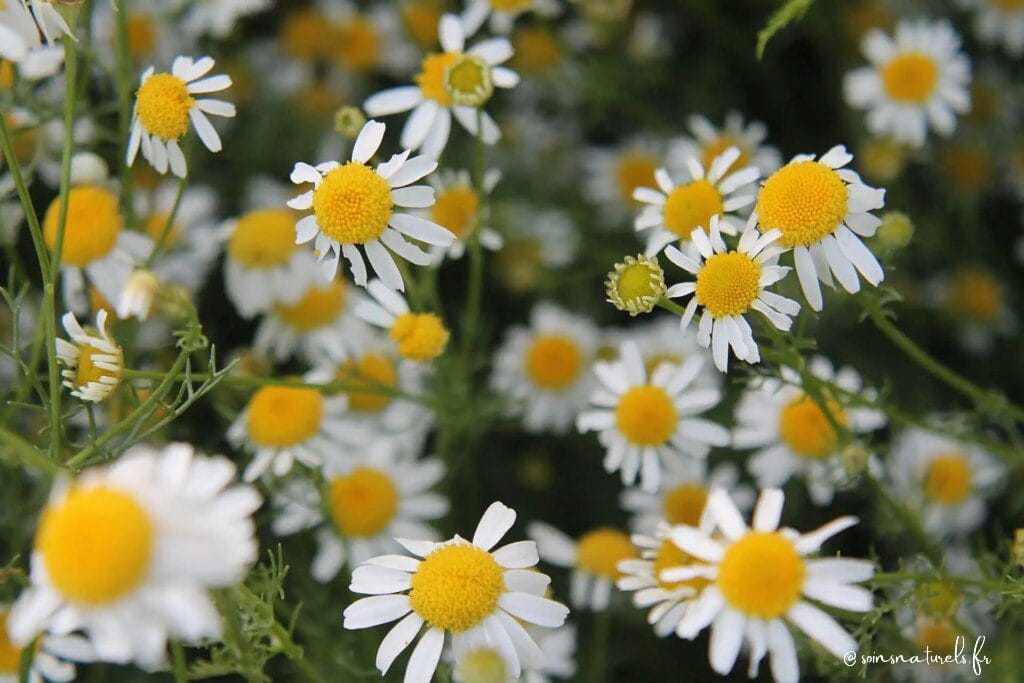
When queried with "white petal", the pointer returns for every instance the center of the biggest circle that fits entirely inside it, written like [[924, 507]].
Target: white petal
[[368, 141], [494, 524]]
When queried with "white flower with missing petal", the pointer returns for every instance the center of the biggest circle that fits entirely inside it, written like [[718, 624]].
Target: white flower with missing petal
[[93, 362], [420, 337]]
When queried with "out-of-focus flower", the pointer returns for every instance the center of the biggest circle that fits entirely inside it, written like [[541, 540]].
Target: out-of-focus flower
[[457, 208], [503, 13], [35, 55], [54, 660], [975, 300], [999, 22], [94, 362], [709, 141], [614, 173], [896, 230], [219, 17], [418, 336], [139, 294], [594, 558]]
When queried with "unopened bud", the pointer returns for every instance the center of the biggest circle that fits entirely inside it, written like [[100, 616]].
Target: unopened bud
[[138, 295], [348, 121], [896, 230], [854, 459]]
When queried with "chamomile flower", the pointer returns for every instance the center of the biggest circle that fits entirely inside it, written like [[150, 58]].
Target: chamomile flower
[[126, 554], [35, 55], [708, 141], [263, 266], [164, 106], [54, 660], [191, 244], [503, 13], [760, 581], [728, 284], [545, 368], [594, 559], [674, 210], [218, 18], [322, 324], [945, 480], [418, 336], [353, 205], [457, 209], [635, 285], [461, 588], [364, 504], [558, 646], [917, 80], [820, 208], [645, 421], [792, 434], [662, 341], [456, 82], [93, 362], [975, 300], [284, 424], [536, 242], [999, 22]]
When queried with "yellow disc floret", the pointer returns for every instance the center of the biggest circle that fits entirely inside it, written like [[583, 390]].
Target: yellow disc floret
[[263, 239], [358, 44], [456, 209], [646, 416], [468, 81], [456, 587], [553, 362], [318, 307], [910, 77], [691, 206], [363, 502], [10, 654], [284, 416], [96, 544], [728, 284], [92, 227], [975, 294], [804, 200], [714, 148], [431, 77], [938, 635], [684, 504], [372, 370], [141, 34], [536, 50], [420, 336], [599, 551], [162, 104], [670, 556], [88, 371], [761, 575], [633, 170], [421, 18], [948, 479], [636, 284], [353, 204], [804, 427], [307, 34], [481, 665]]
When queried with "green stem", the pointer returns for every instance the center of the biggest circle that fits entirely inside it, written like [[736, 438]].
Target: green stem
[[26, 452], [168, 226], [124, 98], [178, 662], [910, 523], [601, 626], [295, 653], [672, 306]]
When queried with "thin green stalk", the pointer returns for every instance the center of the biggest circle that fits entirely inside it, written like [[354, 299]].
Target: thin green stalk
[[124, 99], [598, 655], [672, 306], [178, 662], [169, 225], [295, 654], [26, 452]]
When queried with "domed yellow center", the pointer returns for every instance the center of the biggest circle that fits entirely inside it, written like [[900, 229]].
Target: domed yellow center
[[154, 227], [684, 504], [910, 77], [420, 336], [728, 284], [670, 556], [638, 282], [372, 370], [352, 204], [96, 545], [263, 238], [456, 587], [948, 479], [553, 362], [358, 44], [646, 416], [318, 307], [468, 80], [598, 552], [284, 416], [481, 665], [163, 103], [92, 227], [536, 50], [714, 148], [633, 170], [805, 429], [805, 200], [87, 370], [456, 209], [306, 34], [938, 635], [976, 295], [691, 206], [363, 502], [431, 77], [421, 18], [761, 575], [141, 34]]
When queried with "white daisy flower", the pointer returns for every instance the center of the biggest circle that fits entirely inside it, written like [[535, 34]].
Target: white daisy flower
[[35, 55], [456, 82], [164, 105], [673, 211], [93, 362], [792, 434], [475, 663], [999, 22], [218, 18], [612, 174], [460, 588], [457, 209], [709, 141], [729, 284], [662, 341], [593, 558], [917, 79], [284, 424], [503, 13], [946, 481], [126, 553], [975, 300], [760, 580], [192, 243], [368, 40], [364, 504], [322, 324], [417, 336], [353, 205], [820, 208], [647, 421], [152, 32], [54, 659], [544, 369], [536, 241]]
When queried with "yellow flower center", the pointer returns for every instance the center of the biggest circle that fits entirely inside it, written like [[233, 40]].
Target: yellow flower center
[[639, 281], [940, 598], [306, 34], [421, 18], [633, 170], [96, 545], [317, 308], [6, 74], [598, 552], [284, 416], [712, 150], [652, 361], [910, 77], [358, 44], [939, 635], [10, 654], [685, 504], [975, 294], [154, 227], [318, 101], [805, 429], [669, 556], [536, 49], [88, 371], [420, 337], [23, 136], [141, 34], [163, 104], [1009, 5], [92, 227], [481, 665], [805, 200], [553, 362], [456, 209], [372, 370], [468, 80], [691, 206], [363, 502], [456, 587], [431, 77], [948, 479], [761, 575], [646, 416], [264, 238], [728, 284], [510, 5], [352, 204]]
